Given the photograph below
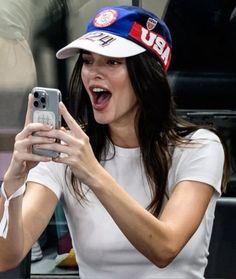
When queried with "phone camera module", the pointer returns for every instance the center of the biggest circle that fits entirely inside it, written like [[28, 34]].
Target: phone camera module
[[43, 100], [36, 104]]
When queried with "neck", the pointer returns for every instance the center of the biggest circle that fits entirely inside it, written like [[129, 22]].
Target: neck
[[124, 136]]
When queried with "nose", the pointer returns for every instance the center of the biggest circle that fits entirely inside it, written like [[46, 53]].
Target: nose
[[96, 71]]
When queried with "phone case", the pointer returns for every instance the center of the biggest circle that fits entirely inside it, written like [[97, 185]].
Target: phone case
[[45, 110]]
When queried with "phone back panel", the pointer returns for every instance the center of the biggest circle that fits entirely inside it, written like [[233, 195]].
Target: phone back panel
[[45, 110], [45, 106]]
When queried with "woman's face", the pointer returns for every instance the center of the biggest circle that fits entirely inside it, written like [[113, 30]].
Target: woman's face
[[108, 85]]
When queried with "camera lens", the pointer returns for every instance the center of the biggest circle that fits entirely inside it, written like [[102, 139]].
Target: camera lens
[[36, 104], [36, 94], [43, 100]]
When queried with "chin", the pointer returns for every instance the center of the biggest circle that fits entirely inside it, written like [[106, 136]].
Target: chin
[[101, 120]]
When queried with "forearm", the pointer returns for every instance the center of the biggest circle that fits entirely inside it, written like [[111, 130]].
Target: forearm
[[11, 247], [150, 236]]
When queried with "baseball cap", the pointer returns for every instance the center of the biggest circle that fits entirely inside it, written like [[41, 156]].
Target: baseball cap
[[123, 31]]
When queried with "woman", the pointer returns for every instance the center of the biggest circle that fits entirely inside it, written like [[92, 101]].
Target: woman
[[138, 184]]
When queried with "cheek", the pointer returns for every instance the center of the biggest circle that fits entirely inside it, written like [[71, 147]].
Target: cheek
[[84, 78], [83, 75], [127, 99], [130, 92]]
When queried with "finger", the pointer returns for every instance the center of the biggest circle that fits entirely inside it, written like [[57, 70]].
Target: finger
[[32, 140], [57, 147], [38, 140], [63, 129], [61, 159], [70, 121], [64, 136], [30, 157], [28, 117], [32, 128]]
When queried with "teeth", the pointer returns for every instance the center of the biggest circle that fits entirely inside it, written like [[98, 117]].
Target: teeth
[[98, 89]]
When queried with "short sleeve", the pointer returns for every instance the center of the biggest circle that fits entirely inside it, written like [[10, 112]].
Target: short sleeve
[[51, 175], [203, 161]]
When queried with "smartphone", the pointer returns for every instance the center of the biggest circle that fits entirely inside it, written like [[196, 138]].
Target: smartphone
[[45, 110]]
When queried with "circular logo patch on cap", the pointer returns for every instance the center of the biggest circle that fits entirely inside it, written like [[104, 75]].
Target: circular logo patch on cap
[[105, 18]]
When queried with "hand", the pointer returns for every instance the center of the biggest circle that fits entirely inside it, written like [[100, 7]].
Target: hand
[[75, 149], [23, 159]]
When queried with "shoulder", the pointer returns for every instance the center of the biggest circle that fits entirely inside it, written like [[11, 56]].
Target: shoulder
[[201, 140], [200, 144], [200, 159], [204, 134]]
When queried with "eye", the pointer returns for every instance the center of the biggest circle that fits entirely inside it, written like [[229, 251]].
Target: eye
[[86, 60], [113, 62]]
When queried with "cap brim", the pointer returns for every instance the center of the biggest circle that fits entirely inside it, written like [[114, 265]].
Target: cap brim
[[117, 46]]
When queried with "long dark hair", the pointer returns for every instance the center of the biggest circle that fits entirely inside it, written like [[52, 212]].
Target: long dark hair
[[158, 126]]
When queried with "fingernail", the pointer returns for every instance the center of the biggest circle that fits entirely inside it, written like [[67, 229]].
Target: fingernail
[[48, 126]]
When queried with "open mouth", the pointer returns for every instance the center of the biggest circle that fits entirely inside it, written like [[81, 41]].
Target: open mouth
[[101, 97]]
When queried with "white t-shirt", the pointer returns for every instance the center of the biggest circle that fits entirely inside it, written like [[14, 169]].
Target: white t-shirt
[[102, 250]]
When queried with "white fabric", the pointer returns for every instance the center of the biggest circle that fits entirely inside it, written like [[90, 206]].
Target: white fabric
[[102, 250], [4, 223], [94, 42]]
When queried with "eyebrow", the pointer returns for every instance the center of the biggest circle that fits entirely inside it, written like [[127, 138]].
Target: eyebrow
[[83, 51]]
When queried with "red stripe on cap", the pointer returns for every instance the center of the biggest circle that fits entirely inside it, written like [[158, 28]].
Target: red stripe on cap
[[152, 41]]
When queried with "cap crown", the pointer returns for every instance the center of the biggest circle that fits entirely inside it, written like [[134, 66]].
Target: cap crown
[[137, 25]]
